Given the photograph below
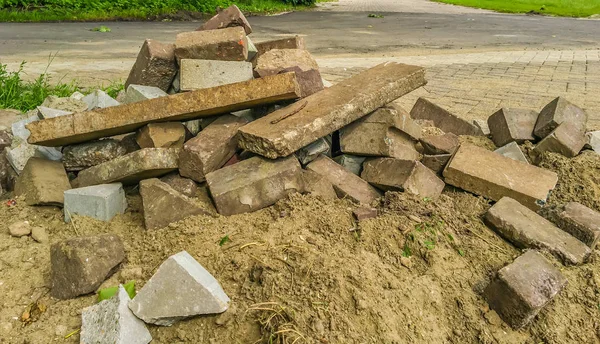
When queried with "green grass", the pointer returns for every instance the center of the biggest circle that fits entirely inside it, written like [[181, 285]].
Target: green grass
[[564, 8], [169, 11]]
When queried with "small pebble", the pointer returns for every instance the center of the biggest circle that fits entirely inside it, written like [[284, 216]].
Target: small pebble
[[19, 229], [406, 262], [414, 218], [39, 234]]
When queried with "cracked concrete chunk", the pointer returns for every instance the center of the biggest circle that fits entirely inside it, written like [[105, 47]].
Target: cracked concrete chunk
[[180, 288], [155, 66], [198, 74], [42, 182], [161, 135], [229, 44], [443, 119], [81, 156]]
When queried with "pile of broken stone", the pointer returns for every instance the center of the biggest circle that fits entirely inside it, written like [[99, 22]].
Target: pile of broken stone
[[254, 123]]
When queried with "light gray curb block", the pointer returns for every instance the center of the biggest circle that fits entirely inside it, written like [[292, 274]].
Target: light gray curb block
[[101, 202], [138, 93]]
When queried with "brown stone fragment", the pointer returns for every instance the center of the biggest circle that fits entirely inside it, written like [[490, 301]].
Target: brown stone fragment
[[403, 175], [155, 66], [556, 112], [566, 139], [229, 17], [283, 132], [81, 156], [521, 289], [42, 182], [345, 183], [526, 229], [443, 119], [85, 126], [131, 168], [161, 135], [508, 125], [296, 42], [164, 205], [576, 219], [211, 149], [318, 185], [494, 176], [254, 184], [228, 44], [377, 139], [440, 144], [299, 61], [184, 185], [436, 163], [364, 213], [80, 265]]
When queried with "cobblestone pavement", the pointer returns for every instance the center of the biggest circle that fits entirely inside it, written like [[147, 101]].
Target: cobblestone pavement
[[474, 85], [413, 6]]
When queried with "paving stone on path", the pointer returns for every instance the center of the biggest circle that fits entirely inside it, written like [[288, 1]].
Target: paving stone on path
[[526, 229], [100, 202], [345, 183], [85, 126], [567, 139], [42, 182], [138, 93], [180, 288], [318, 185], [229, 17], [513, 151], [436, 163], [556, 112], [131, 168], [198, 74], [283, 132], [211, 148], [155, 66], [477, 170], [254, 184], [440, 144], [576, 219], [81, 156], [509, 124], [351, 163], [184, 185], [449, 123], [300, 61], [521, 289], [309, 153], [161, 135], [111, 321], [99, 100], [229, 44], [80, 265], [390, 174]]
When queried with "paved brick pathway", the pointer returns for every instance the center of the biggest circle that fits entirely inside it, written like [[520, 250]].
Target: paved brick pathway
[[475, 85], [413, 6]]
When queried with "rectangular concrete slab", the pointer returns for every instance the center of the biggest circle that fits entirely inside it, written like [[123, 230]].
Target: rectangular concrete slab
[[85, 126], [285, 131], [494, 176], [229, 44], [197, 74], [131, 168], [345, 183], [442, 118], [526, 229], [101, 202]]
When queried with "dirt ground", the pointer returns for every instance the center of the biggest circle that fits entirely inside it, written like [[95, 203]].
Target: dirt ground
[[302, 271]]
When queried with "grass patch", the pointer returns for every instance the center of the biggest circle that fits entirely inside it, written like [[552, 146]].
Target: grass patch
[[564, 8]]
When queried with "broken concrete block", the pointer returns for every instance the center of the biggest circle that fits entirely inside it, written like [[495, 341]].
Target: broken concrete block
[[556, 112], [398, 117], [100, 202], [21, 152], [85, 126], [513, 151], [84, 155], [344, 182], [111, 321], [364, 213], [299, 61], [19, 129], [130, 143], [318, 185], [352, 163], [161, 135], [183, 185], [254, 184], [377, 139], [198, 292], [252, 51], [521, 289], [566, 139], [309, 153], [228, 44], [443, 119], [42, 182], [578, 220], [138, 93], [494, 176], [131, 168], [211, 148], [229, 17], [296, 42], [526, 229], [69, 104], [403, 175], [198, 74], [45, 112], [483, 126], [155, 66], [80, 265], [99, 100], [508, 125], [440, 144], [285, 131], [164, 205], [436, 163]]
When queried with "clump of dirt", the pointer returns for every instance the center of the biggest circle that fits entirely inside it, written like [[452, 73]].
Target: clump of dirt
[[304, 271]]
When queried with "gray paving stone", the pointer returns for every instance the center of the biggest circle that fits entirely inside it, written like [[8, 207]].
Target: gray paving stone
[[309, 153], [352, 163], [138, 93], [513, 151], [99, 100], [46, 112], [101, 202], [198, 74]]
